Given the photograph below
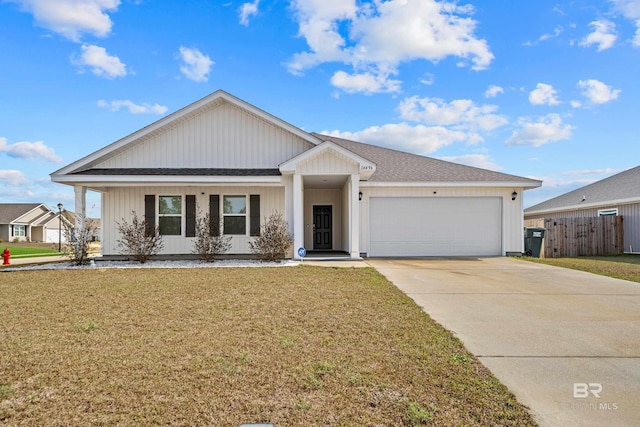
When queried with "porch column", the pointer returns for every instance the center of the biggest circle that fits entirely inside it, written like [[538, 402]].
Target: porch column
[[81, 205], [354, 216], [298, 214]]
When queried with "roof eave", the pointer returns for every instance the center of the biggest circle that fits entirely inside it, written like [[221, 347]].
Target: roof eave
[[523, 185], [110, 180]]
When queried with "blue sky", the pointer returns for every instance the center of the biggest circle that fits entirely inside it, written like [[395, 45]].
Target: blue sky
[[547, 90]]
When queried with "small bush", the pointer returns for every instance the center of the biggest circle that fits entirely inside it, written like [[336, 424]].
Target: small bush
[[274, 240], [139, 239], [209, 244], [78, 240]]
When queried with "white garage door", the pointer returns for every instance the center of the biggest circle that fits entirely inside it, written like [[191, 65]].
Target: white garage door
[[430, 226]]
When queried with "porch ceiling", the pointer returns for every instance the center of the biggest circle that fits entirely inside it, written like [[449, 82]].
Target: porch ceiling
[[324, 181]]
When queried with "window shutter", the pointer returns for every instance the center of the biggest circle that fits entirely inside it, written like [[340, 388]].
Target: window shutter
[[214, 214], [190, 220], [254, 215], [150, 214]]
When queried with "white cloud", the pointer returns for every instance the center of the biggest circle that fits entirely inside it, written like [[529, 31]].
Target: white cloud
[[366, 83], [462, 114], [72, 18], [101, 63], [597, 92], [376, 37], [29, 151], [543, 94], [402, 136], [248, 10], [12, 177], [631, 10], [195, 65], [133, 108], [603, 35], [581, 172], [546, 129], [493, 91], [476, 160]]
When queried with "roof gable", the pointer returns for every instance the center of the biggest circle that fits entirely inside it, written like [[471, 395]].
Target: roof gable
[[12, 212], [329, 158], [218, 131], [623, 187]]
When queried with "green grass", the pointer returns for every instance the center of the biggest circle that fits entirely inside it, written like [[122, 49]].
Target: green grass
[[625, 267], [292, 346], [27, 249]]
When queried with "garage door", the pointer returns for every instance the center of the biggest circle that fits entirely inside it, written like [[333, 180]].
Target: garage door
[[443, 226]]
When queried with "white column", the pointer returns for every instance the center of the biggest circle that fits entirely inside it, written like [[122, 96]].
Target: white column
[[81, 205], [298, 215], [354, 216]]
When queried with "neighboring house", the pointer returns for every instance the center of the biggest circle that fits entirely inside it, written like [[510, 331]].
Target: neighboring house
[[224, 156], [94, 223], [617, 195], [29, 222]]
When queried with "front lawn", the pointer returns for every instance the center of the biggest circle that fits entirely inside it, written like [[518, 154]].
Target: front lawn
[[22, 250], [625, 267], [295, 346]]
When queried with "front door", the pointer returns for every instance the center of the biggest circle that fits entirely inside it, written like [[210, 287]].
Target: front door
[[322, 224]]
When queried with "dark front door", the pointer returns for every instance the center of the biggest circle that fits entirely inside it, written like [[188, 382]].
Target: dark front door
[[322, 224]]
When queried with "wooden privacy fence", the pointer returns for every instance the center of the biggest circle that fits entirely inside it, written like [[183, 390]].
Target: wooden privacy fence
[[569, 237]]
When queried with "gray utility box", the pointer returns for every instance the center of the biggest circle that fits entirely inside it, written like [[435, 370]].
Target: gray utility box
[[533, 241]]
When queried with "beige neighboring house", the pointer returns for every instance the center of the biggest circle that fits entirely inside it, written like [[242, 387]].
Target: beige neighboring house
[[618, 194], [227, 157], [32, 222]]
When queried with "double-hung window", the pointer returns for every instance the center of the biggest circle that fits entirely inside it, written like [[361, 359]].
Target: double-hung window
[[234, 215], [170, 215], [19, 230]]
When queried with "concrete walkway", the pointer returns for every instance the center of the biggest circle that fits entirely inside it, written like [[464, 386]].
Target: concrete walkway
[[15, 262], [566, 343]]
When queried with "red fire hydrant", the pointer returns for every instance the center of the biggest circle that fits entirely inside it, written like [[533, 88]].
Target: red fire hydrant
[[6, 255]]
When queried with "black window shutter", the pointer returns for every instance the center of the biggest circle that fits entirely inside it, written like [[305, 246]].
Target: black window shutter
[[191, 216], [254, 215], [150, 214], [214, 214]]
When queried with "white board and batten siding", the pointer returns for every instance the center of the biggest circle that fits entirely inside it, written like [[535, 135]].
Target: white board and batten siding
[[221, 137], [118, 203], [451, 222]]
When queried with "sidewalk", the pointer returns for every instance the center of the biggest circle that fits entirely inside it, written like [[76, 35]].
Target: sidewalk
[[15, 262]]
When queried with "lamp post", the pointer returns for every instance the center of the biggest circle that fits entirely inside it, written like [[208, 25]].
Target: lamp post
[[59, 227]]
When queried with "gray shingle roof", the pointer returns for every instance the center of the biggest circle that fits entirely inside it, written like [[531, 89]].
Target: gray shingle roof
[[622, 186], [12, 211], [398, 166]]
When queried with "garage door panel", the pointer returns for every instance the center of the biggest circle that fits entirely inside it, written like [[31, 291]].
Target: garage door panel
[[421, 226]]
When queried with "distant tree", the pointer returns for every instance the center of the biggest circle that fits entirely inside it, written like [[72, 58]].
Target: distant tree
[[274, 240], [209, 243], [139, 239]]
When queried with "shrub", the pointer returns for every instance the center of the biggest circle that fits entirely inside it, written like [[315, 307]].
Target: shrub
[[139, 239], [209, 244], [274, 240], [78, 239]]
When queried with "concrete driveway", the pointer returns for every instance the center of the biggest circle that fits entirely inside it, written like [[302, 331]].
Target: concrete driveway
[[566, 343]]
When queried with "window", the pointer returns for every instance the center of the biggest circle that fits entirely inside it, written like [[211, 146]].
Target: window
[[19, 230], [234, 212], [170, 215], [608, 212]]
